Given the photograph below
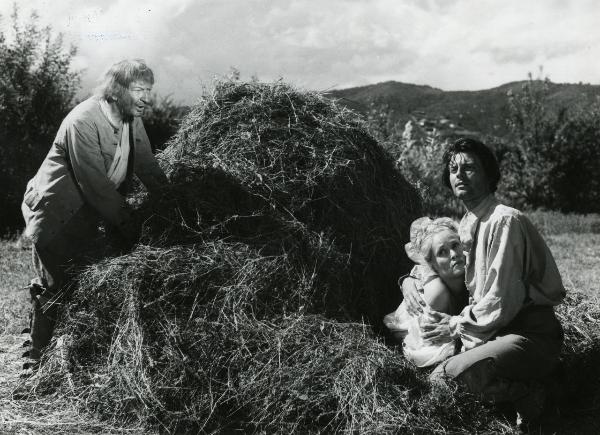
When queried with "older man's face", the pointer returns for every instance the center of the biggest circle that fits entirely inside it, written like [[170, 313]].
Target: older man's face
[[467, 178], [140, 96]]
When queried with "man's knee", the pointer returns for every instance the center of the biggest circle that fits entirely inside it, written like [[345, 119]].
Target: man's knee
[[458, 364], [508, 356], [481, 378], [473, 374], [476, 376]]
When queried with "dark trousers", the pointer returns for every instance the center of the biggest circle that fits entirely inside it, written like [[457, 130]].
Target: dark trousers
[[527, 349], [55, 264]]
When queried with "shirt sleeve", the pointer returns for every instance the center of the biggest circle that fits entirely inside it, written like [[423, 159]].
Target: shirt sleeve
[[82, 142], [504, 291]]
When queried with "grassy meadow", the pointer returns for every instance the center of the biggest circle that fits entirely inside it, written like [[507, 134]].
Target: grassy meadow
[[574, 241], [15, 273]]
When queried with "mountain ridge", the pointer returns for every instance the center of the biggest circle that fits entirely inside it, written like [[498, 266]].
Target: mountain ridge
[[484, 111]]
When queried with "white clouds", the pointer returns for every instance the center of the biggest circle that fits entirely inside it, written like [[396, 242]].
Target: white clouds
[[459, 44], [485, 43]]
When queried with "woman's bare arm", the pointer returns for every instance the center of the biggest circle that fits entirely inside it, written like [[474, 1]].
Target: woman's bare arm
[[438, 296]]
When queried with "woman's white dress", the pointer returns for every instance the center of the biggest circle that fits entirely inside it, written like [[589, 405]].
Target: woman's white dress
[[417, 350]]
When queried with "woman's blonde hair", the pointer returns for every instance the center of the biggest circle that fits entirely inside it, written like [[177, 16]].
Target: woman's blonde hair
[[421, 232]]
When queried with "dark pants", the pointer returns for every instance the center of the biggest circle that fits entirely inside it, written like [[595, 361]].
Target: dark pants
[[55, 264], [527, 349]]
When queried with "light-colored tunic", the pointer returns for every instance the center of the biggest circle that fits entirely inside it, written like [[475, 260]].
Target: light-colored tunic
[[509, 267], [75, 172]]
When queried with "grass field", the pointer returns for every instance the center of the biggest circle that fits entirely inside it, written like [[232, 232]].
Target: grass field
[[15, 272], [577, 254]]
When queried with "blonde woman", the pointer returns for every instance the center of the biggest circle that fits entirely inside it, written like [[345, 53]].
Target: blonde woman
[[440, 269]]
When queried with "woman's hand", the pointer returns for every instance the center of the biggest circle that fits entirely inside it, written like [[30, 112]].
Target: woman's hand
[[412, 297], [435, 327]]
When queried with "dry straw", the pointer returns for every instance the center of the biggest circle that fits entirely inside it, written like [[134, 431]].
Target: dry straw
[[253, 299]]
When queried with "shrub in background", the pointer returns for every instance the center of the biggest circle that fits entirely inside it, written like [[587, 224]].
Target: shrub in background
[[37, 86], [162, 120], [385, 128], [421, 162], [552, 156], [577, 179], [418, 155]]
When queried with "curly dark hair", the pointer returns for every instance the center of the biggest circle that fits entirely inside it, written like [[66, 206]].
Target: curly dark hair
[[479, 149]]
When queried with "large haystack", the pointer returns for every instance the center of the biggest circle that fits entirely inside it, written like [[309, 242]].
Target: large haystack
[[242, 306], [291, 173]]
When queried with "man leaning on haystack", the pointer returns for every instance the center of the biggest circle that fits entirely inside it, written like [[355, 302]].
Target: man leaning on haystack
[[83, 179]]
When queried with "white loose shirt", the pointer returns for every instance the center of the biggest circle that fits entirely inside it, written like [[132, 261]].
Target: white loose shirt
[[509, 266]]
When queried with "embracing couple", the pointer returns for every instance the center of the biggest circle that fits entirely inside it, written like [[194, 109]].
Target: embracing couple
[[478, 305]]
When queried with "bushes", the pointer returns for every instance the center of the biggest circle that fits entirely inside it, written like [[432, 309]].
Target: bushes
[[421, 162], [162, 121], [418, 154], [36, 90], [552, 157]]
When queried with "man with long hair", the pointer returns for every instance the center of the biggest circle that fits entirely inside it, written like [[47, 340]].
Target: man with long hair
[[82, 181]]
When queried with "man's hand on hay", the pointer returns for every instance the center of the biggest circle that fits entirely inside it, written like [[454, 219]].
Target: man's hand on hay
[[412, 296], [437, 327]]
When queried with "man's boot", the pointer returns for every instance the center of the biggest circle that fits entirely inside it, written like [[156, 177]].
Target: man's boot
[[41, 323]]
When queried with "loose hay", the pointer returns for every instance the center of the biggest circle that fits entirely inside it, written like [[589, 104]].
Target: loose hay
[[580, 378], [291, 172], [254, 298]]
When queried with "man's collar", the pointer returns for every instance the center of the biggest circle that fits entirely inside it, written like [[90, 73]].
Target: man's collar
[[483, 207], [468, 224]]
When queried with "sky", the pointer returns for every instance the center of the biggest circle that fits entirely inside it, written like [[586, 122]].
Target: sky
[[328, 44]]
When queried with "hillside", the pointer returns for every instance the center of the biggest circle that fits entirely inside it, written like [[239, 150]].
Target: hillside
[[482, 111]]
